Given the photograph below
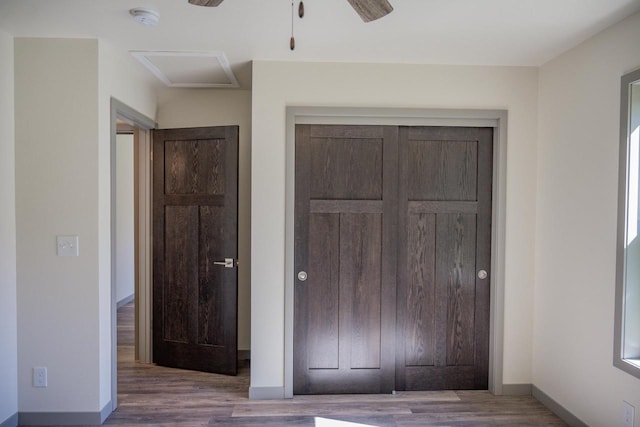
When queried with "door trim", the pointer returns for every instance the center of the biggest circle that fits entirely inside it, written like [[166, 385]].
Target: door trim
[[143, 253], [497, 119], [119, 110]]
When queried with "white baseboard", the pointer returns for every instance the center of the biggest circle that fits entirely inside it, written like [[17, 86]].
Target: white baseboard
[[266, 393], [516, 389], [556, 408], [12, 421], [124, 301], [63, 418]]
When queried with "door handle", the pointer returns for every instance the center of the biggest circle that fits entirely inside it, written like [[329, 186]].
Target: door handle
[[228, 263]]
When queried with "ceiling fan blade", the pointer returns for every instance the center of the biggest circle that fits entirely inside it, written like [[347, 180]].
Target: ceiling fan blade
[[209, 3], [370, 10]]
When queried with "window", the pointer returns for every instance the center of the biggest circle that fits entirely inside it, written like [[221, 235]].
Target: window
[[627, 322]]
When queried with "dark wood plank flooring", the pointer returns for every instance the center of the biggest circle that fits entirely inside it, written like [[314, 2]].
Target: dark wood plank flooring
[[155, 396]]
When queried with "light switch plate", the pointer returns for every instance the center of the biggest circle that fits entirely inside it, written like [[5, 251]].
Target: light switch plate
[[68, 246]]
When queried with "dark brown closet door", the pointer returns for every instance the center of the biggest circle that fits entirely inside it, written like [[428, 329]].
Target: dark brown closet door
[[444, 251], [195, 210], [345, 259]]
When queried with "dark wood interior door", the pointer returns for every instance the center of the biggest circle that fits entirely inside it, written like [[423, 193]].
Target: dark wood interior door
[[444, 258], [195, 210], [392, 257], [345, 259]]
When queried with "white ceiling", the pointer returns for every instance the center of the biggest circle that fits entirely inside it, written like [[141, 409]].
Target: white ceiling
[[479, 32]]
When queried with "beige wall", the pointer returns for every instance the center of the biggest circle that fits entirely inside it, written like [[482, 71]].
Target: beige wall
[[125, 247], [576, 227], [57, 193], [193, 108], [8, 328], [277, 85], [63, 90]]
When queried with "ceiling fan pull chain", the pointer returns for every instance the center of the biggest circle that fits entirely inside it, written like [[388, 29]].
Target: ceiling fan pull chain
[[301, 9], [292, 41]]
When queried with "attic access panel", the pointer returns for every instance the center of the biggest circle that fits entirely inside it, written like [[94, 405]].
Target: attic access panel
[[189, 69]]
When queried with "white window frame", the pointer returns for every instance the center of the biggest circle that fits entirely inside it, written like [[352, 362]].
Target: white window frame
[[627, 176]]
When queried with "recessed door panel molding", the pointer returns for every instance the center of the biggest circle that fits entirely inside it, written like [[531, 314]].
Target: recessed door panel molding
[[360, 290], [194, 167], [346, 169], [442, 170], [322, 285], [211, 319], [420, 316], [455, 274], [180, 270]]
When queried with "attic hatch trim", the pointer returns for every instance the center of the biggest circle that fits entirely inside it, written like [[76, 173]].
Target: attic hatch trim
[[143, 57]]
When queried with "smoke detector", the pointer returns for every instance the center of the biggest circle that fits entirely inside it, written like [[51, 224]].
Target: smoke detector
[[145, 16]]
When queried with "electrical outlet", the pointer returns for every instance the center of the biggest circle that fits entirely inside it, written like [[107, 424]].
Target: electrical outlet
[[628, 413], [39, 377]]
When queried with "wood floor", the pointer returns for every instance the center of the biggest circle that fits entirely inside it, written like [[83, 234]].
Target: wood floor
[[155, 396]]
